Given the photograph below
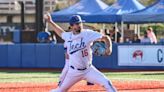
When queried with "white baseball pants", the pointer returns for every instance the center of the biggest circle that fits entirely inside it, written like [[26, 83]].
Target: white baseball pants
[[91, 74]]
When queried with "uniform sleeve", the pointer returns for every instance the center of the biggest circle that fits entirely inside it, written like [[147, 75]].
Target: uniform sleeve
[[65, 47], [93, 35], [64, 44], [64, 36]]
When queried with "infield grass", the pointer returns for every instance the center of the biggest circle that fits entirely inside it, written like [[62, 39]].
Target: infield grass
[[7, 76]]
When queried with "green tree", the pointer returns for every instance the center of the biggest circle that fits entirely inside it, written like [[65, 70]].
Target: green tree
[[147, 2]]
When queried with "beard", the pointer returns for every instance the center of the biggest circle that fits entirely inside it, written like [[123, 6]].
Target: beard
[[78, 30]]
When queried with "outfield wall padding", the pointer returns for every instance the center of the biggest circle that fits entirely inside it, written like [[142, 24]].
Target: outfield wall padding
[[42, 55], [14, 56], [57, 59], [30, 55], [28, 58], [3, 55]]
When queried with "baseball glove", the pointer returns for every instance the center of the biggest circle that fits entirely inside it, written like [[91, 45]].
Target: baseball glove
[[99, 48]]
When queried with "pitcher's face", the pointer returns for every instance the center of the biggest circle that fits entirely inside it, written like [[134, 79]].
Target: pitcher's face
[[77, 27]]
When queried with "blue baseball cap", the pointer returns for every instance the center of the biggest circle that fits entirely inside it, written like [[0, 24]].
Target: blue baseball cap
[[75, 19], [42, 36]]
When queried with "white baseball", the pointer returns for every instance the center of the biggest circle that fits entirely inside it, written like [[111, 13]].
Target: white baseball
[[45, 16]]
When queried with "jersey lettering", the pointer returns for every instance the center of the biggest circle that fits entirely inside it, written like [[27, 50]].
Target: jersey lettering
[[74, 47]]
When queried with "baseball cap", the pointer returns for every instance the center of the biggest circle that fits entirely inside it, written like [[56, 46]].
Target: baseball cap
[[42, 36], [75, 19]]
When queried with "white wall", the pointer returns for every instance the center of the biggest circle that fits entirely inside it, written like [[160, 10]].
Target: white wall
[[141, 55]]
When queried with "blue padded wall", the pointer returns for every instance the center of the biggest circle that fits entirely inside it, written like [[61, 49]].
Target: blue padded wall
[[114, 57], [14, 55], [3, 56], [102, 62], [16, 36], [57, 56], [42, 55], [52, 56], [28, 56]]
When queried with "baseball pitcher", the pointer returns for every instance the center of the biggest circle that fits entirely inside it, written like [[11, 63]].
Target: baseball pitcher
[[79, 43]]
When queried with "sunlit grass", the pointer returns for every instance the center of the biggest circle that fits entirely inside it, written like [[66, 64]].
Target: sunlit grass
[[26, 76]]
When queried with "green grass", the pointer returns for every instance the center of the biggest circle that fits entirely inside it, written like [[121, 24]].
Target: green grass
[[41, 77], [136, 75]]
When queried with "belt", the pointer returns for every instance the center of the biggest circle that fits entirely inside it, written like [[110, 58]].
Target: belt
[[80, 69]]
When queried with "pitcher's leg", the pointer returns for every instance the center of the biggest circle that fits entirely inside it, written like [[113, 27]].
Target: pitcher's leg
[[96, 76], [64, 72], [67, 83], [71, 78]]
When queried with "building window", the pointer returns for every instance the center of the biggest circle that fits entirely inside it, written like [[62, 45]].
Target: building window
[[9, 18]]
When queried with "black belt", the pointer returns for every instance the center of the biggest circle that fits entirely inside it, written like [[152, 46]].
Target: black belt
[[79, 68]]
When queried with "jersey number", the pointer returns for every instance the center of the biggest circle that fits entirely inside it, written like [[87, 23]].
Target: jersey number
[[84, 53]]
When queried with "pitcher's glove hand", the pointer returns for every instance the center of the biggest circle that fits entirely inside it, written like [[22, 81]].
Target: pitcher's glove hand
[[99, 48]]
